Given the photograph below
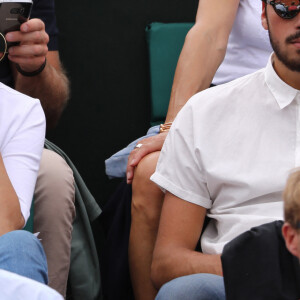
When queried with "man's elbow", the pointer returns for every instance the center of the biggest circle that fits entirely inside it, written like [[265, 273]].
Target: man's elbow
[[160, 270], [156, 274]]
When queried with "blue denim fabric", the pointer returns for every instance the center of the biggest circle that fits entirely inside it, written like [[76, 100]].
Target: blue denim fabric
[[115, 166], [193, 287], [22, 253]]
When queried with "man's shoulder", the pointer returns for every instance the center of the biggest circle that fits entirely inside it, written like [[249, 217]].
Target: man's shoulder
[[230, 91], [9, 94], [18, 112], [13, 102]]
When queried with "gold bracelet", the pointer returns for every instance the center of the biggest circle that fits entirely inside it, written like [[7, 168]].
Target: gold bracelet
[[165, 127]]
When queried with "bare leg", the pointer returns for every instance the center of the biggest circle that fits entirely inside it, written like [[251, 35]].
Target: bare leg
[[147, 201]]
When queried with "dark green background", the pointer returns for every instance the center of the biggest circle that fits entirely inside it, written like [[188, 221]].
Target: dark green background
[[103, 48]]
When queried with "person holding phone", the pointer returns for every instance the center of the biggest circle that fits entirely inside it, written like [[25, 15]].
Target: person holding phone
[[33, 67]]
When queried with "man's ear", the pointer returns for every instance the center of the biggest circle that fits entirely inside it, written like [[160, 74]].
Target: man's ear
[[264, 21], [291, 239]]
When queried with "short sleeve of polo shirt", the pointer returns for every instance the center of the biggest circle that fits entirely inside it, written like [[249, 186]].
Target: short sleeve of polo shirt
[[45, 10], [179, 169]]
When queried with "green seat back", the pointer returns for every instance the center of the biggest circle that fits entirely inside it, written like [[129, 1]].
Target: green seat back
[[29, 223], [165, 42]]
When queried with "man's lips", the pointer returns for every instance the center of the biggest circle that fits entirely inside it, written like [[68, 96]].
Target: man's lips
[[295, 43], [294, 39]]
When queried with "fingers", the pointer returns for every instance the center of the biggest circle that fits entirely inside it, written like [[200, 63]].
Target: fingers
[[32, 49], [28, 50], [28, 64], [32, 31], [35, 37], [33, 25], [133, 160], [149, 145]]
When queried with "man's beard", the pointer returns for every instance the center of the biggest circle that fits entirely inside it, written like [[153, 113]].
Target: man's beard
[[290, 63]]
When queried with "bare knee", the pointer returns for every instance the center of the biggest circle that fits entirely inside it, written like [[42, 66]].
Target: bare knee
[[146, 195], [144, 170]]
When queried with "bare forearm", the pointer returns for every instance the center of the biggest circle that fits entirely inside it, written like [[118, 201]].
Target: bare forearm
[[52, 88], [183, 262], [201, 56]]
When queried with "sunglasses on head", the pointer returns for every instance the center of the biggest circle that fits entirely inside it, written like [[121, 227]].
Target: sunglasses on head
[[283, 10]]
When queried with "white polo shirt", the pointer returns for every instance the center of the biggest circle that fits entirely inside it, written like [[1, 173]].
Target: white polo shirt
[[230, 150], [22, 135]]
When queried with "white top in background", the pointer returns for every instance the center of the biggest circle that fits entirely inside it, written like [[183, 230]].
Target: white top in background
[[248, 47]]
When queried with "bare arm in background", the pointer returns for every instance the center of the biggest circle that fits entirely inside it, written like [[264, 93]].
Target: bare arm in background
[[203, 51]]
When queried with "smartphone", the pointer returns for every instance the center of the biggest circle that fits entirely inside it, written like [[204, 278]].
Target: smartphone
[[13, 14]]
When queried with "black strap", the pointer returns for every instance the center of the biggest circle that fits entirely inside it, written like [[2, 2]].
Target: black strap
[[34, 73]]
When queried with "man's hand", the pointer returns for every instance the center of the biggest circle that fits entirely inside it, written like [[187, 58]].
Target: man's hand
[[31, 53], [51, 86], [149, 145]]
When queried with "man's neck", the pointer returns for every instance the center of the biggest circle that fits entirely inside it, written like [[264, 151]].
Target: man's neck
[[292, 78]]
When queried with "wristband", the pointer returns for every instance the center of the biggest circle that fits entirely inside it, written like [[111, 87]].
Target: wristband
[[34, 73]]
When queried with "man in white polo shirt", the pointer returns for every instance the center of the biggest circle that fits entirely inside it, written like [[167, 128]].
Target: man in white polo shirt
[[227, 156]]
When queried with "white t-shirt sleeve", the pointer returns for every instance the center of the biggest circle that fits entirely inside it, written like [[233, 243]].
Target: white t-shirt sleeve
[[179, 169], [22, 148]]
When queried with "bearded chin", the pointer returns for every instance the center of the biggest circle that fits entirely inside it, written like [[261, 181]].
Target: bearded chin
[[291, 64]]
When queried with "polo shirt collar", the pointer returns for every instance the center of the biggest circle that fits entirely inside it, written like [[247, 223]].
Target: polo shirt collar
[[283, 93]]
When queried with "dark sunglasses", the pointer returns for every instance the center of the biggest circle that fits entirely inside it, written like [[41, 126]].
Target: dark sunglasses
[[284, 11]]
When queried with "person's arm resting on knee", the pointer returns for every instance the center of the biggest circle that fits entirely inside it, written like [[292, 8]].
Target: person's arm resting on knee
[[181, 172], [179, 230]]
